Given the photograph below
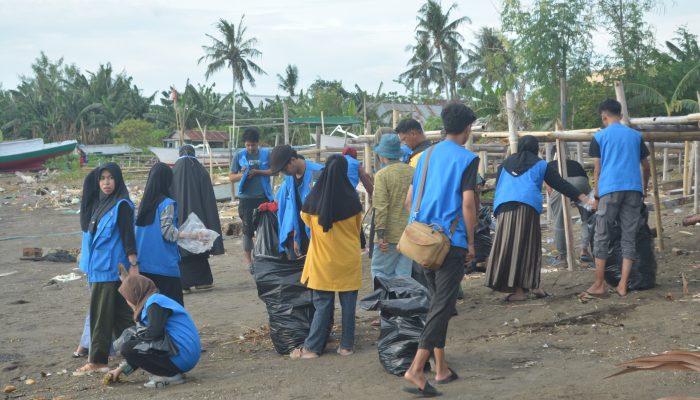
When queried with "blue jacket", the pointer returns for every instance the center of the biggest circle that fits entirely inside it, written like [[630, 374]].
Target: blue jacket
[[180, 328], [288, 214], [264, 164], [157, 255], [619, 159], [442, 195], [525, 188], [353, 171], [104, 251]]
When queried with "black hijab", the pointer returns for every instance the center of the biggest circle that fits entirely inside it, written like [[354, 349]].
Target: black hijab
[[518, 163], [95, 203], [333, 198], [193, 192], [157, 189]]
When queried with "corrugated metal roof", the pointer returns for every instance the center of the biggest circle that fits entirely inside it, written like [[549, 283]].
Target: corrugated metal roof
[[212, 136], [419, 112]]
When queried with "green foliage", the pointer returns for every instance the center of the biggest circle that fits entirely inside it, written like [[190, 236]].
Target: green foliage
[[433, 123], [290, 80], [138, 133]]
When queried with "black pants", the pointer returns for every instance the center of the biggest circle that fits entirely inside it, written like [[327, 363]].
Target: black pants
[[109, 316], [443, 285], [167, 286], [245, 211], [159, 365]]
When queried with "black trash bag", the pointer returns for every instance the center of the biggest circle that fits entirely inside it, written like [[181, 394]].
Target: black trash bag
[[482, 235], [403, 305], [289, 304], [643, 274], [266, 235]]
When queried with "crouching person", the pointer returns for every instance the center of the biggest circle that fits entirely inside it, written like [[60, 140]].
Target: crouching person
[[161, 316]]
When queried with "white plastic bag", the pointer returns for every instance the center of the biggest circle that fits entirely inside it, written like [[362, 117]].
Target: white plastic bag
[[198, 238]]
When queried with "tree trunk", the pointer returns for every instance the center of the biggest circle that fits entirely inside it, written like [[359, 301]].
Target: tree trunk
[[444, 75]]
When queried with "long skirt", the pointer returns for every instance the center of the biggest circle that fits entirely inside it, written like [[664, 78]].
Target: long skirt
[[516, 255], [195, 270]]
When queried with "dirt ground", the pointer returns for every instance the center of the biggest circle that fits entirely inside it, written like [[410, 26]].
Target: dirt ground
[[556, 348]]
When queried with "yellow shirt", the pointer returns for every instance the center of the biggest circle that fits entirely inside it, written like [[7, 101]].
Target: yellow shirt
[[333, 263], [414, 159]]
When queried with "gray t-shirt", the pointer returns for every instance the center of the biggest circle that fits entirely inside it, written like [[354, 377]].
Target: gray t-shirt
[[253, 188]]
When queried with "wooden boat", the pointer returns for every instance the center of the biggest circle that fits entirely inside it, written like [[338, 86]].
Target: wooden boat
[[30, 155]]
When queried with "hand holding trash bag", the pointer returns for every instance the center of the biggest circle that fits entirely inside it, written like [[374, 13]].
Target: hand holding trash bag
[[195, 237]]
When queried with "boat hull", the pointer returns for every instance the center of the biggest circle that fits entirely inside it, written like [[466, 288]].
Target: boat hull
[[33, 160]]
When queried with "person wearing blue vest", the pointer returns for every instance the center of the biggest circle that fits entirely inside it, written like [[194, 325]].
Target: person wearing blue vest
[[107, 220], [448, 201], [301, 175], [357, 172], [619, 189], [516, 254], [162, 317], [157, 234], [250, 167]]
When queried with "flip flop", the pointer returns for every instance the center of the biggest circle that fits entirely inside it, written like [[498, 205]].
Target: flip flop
[[80, 354], [453, 377], [300, 354], [102, 370], [510, 299], [589, 295], [427, 391], [585, 258], [614, 291], [542, 295]]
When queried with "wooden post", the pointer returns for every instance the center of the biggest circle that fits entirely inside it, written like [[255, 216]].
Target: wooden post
[[482, 164], [696, 189], [318, 143], [620, 94], [285, 109], [548, 157], [664, 167], [657, 203], [686, 167], [395, 116], [579, 151], [568, 229], [512, 122]]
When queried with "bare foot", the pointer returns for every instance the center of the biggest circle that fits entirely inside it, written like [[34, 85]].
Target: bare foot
[[302, 354], [418, 381], [621, 291], [596, 289], [89, 368]]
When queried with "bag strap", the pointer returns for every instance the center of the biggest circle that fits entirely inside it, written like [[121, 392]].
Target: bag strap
[[422, 181]]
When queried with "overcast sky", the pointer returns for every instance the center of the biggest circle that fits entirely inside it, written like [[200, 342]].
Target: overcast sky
[[158, 42]]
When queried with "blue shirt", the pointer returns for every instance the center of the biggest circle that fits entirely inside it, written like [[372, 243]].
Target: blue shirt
[[620, 150], [253, 188]]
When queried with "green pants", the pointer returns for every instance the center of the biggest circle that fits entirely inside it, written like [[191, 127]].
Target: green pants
[[109, 316]]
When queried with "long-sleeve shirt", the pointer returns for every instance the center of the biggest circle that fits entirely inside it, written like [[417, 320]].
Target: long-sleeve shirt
[[167, 228], [390, 187], [125, 223]]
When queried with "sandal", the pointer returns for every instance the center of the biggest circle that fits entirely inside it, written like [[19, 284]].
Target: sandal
[[541, 295], [300, 354], [80, 354], [345, 352], [427, 391], [510, 299], [453, 377], [89, 369]]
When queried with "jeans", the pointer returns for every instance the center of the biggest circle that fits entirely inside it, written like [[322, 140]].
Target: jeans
[[390, 264], [318, 333]]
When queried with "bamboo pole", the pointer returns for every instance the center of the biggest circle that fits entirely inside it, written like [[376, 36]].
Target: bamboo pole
[[318, 143], [548, 157], [681, 119], [696, 195], [686, 165], [657, 203], [395, 116], [620, 95], [512, 123], [664, 167], [568, 229], [285, 109]]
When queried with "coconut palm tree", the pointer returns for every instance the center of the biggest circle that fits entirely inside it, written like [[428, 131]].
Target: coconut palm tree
[[422, 69], [290, 80], [235, 51], [441, 32], [643, 94]]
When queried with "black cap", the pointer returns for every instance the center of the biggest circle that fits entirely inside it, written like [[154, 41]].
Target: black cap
[[280, 156]]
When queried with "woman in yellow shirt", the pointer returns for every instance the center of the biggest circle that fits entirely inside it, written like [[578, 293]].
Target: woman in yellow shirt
[[333, 212]]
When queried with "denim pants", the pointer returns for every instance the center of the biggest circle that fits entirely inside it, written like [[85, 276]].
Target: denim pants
[[318, 333], [390, 264]]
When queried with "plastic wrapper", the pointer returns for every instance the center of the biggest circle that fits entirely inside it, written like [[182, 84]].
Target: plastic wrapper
[[643, 274], [403, 304], [200, 239]]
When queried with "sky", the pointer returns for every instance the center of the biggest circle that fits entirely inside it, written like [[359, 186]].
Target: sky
[[159, 42]]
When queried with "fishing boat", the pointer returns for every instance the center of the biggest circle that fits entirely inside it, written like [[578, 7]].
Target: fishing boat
[[30, 155]]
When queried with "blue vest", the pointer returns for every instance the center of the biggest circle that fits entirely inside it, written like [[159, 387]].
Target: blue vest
[[105, 250], [288, 214], [180, 328], [406, 153], [156, 255], [442, 194], [525, 188], [353, 171], [619, 159], [264, 164]]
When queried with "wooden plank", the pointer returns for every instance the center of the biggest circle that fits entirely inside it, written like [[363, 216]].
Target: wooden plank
[[568, 229], [657, 204]]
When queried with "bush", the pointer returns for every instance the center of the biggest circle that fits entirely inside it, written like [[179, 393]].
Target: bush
[[138, 133]]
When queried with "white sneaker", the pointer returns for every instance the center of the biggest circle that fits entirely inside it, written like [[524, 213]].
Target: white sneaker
[[158, 382]]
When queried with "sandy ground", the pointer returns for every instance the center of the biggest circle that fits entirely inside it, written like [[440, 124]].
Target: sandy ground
[[557, 348]]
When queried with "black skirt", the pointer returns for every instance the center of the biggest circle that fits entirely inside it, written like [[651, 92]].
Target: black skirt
[[516, 255], [195, 270]]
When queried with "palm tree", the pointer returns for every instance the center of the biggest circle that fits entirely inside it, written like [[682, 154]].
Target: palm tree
[[233, 51], [490, 57], [290, 80], [423, 70], [438, 29], [644, 94]]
